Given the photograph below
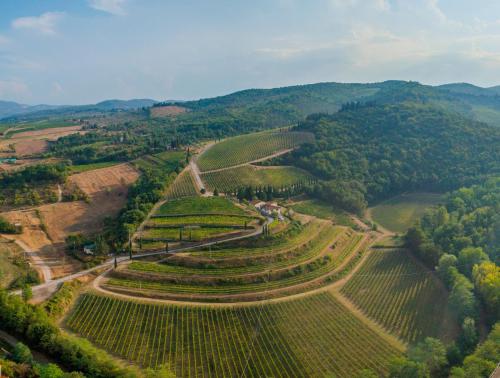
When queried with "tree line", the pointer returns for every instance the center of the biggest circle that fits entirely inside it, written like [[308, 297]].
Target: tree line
[[461, 242], [366, 153]]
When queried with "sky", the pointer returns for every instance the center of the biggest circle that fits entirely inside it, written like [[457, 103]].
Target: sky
[[85, 51]]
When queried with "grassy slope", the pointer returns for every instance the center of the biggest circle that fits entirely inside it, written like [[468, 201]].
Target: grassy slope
[[399, 213], [323, 210], [8, 270]]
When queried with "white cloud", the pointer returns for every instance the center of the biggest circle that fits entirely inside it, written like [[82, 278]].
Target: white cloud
[[110, 6], [45, 23], [381, 5]]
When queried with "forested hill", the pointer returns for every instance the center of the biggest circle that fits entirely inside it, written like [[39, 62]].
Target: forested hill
[[368, 152], [280, 106]]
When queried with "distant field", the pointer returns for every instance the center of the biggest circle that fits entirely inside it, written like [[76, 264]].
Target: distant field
[[400, 213], [166, 111], [402, 295], [89, 167], [312, 337], [229, 180], [32, 126], [247, 148], [33, 140]]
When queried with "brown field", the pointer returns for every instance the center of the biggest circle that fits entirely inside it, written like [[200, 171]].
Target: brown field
[[34, 142], [22, 163], [33, 235], [115, 178], [46, 227], [34, 239], [30, 147], [167, 111], [107, 191]]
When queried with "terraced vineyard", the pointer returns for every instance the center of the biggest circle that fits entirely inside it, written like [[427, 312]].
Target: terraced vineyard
[[190, 219], [229, 180], [402, 296], [311, 337], [311, 257], [183, 186], [246, 148], [200, 206]]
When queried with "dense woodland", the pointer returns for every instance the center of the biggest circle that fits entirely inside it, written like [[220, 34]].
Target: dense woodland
[[367, 152], [461, 240], [371, 142]]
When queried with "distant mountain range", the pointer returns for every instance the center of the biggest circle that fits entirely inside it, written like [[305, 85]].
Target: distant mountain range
[[10, 108], [287, 105]]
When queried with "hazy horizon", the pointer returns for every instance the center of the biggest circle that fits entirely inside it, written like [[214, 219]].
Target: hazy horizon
[[86, 51]]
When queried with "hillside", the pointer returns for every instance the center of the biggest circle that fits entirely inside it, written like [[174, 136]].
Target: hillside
[[12, 111], [367, 153]]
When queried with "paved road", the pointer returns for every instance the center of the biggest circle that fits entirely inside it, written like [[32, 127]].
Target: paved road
[[43, 291], [195, 170]]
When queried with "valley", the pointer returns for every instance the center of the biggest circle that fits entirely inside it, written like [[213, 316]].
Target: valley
[[289, 251]]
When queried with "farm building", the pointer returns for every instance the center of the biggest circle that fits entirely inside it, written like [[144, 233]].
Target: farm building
[[269, 209], [89, 249]]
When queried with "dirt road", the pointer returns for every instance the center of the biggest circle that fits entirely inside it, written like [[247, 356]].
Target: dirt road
[[38, 262]]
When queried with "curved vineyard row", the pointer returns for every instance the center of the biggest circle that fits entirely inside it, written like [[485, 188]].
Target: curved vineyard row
[[296, 279], [311, 337], [246, 148], [401, 295], [305, 253]]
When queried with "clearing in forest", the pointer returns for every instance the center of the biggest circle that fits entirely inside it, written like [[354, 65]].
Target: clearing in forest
[[250, 148], [402, 296], [312, 337], [166, 111], [400, 213]]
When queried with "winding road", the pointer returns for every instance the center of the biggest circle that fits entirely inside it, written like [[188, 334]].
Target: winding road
[[44, 290]]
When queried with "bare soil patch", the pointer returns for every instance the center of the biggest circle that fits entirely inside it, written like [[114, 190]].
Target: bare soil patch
[[111, 179], [167, 111], [30, 147], [107, 191], [46, 227], [36, 240], [33, 142]]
